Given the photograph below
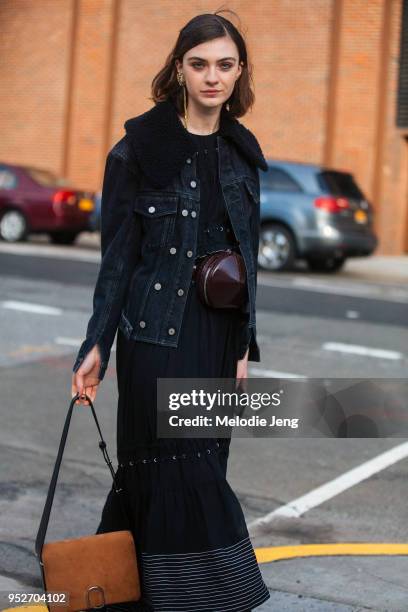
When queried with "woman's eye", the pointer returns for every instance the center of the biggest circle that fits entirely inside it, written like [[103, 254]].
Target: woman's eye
[[226, 66]]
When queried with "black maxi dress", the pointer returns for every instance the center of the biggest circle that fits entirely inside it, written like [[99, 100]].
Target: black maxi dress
[[193, 548]]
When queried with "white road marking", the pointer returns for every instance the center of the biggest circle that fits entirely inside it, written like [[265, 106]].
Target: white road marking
[[314, 498], [352, 314], [68, 341], [273, 373], [367, 351], [27, 307], [352, 289], [337, 289]]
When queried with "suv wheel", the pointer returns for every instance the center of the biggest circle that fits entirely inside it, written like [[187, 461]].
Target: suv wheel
[[277, 248], [330, 264], [13, 226]]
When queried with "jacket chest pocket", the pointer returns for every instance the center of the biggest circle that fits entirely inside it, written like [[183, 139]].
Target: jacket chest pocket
[[158, 217]]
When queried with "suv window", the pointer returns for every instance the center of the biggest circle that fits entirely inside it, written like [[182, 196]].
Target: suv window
[[8, 180], [339, 184], [279, 180]]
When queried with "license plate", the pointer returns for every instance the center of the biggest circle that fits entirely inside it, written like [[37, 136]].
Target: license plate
[[86, 204], [360, 216]]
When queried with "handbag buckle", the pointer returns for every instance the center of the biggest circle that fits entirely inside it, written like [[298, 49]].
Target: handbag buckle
[[95, 588]]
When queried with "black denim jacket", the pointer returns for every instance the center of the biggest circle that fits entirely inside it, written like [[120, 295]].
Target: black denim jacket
[[149, 219]]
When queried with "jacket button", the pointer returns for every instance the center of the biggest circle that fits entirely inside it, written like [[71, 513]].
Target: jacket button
[[157, 286], [188, 160], [142, 323], [189, 253], [173, 250], [180, 292], [184, 212], [171, 331], [193, 184], [193, 213], [151, 209]]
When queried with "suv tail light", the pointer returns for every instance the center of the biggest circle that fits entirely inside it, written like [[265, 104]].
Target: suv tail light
[[331, 203]]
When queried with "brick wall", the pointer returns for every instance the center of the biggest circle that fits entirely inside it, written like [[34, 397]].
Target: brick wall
[[325, 76]]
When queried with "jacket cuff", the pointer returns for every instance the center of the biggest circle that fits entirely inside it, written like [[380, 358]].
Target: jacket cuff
[[254, 353], [248, 339], [85, 348], [244, 341]]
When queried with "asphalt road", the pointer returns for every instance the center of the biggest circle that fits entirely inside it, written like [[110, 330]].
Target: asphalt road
[[312, 326]]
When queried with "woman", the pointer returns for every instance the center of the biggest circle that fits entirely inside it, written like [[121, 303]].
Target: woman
[[182, 183]]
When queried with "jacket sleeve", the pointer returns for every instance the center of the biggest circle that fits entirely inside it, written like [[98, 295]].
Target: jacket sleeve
[[120, 250], [248, 334]]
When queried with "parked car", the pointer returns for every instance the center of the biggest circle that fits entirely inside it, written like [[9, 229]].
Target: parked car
[[315, 213], [34, 200]]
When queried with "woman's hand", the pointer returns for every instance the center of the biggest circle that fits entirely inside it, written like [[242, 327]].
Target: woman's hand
[[242, 371], [86, 380]]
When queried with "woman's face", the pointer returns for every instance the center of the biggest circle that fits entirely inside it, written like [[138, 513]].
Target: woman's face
[[213, 65]]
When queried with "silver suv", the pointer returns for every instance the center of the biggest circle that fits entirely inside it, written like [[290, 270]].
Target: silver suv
[[314, 213]]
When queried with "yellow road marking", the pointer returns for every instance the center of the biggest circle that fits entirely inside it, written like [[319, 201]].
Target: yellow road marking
[[28, 349], [275, 553]]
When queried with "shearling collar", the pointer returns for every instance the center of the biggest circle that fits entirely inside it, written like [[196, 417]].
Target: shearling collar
[[162, 144]]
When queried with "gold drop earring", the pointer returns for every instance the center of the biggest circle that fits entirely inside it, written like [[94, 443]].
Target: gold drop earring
[[182, 83]]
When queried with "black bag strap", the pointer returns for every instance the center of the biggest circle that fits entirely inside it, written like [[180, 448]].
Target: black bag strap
[[39, 542]]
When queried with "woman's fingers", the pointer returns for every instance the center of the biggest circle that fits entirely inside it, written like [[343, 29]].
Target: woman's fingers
[[79, 382], [79, 386], [91, 392], [86, 379], [85, 385], [74, 388], [242, 374]]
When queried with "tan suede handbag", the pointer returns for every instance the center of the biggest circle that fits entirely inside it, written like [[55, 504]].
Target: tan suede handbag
[[93, 570]]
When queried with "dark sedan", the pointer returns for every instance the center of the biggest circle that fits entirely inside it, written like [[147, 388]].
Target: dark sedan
[[34, 200]]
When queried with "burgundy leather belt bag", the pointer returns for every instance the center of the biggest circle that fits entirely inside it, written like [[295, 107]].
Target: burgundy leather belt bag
[[221, 279]]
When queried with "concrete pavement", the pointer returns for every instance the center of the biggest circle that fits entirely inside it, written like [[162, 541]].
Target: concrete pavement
[[377, 268], [317, 584]]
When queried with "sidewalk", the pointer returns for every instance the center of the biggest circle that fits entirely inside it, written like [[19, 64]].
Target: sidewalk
[[337, 584], [317, 584], [391, 269]]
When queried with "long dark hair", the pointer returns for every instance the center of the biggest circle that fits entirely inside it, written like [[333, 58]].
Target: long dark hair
[[200, 29]]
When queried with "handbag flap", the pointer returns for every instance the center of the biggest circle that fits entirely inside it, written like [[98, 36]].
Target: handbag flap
[[101, 567]]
